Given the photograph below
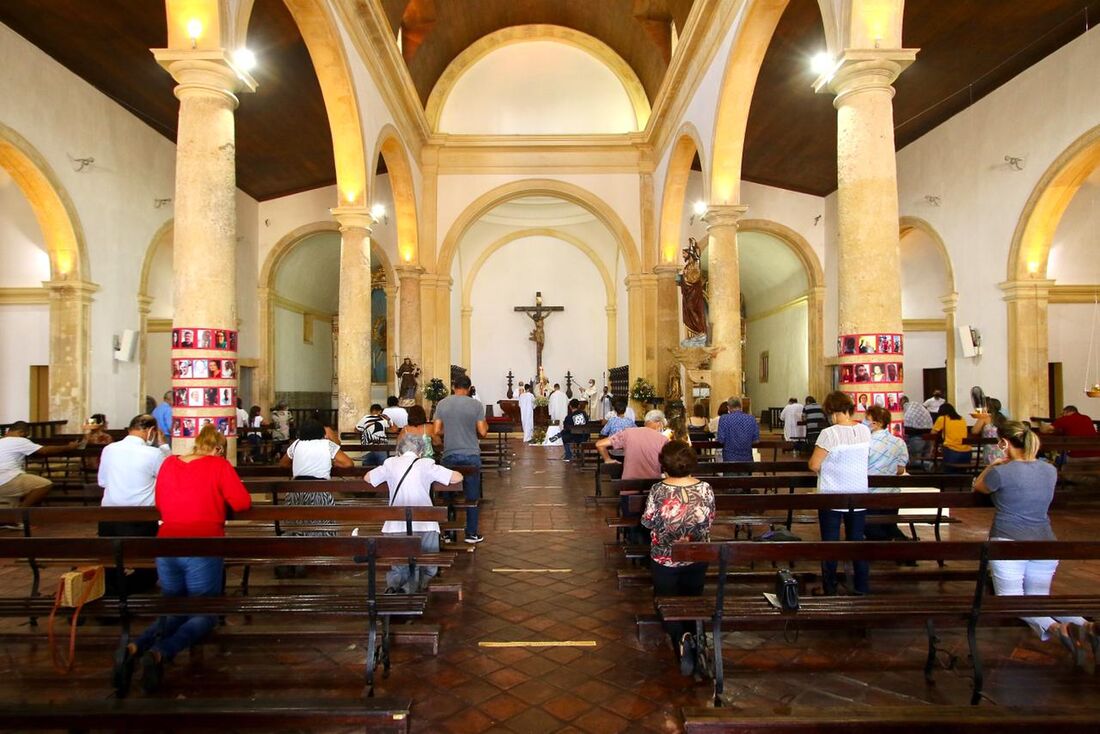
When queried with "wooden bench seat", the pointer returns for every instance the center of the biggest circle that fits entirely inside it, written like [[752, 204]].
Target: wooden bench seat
[[387, 715]]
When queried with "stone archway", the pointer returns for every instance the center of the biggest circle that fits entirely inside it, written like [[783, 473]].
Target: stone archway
[[601, 268], [574, 194], [70, 291], [164, 235], [265, 373]]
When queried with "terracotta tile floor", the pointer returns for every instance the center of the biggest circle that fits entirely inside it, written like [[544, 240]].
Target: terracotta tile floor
[[620, 684]]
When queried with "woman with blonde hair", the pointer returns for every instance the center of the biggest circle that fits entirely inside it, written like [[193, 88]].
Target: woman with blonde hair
[[192, 494], [1022, 487]]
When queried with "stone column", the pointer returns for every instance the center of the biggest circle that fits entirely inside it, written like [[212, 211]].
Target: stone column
[[265, 374], [612, 336], [950, 306], [353, 359], [70, 346], [668, 325], [408, 296], [869, 260], [1028, 352], [204, 256], [391, 336], [145, 305], [725, 301], [467, 336], [815, 322]]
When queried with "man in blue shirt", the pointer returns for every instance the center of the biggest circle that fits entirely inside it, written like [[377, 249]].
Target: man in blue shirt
[[163, 414], [737, 432], [618, 422]]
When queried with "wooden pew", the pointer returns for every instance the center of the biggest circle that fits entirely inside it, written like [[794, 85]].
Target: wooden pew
[[121, 553], [37, 429], [906, 610]]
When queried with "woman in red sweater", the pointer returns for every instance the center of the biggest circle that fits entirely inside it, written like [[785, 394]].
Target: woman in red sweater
[[192, 494]]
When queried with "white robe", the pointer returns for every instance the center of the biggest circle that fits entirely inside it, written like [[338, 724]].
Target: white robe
[[790, 416], [602, 409], [558, 406], [590, 396], [629, 414], [527, 414]]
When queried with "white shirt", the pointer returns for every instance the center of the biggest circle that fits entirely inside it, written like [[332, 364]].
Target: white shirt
[[397, 415], [558, 406], [312, 458], [128, 472], [242, 418], [790, 416], [933, 404], [415, 490], [845, 468], [14, 451]]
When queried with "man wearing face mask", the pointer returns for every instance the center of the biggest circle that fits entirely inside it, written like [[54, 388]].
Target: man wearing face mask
[[128, 474]]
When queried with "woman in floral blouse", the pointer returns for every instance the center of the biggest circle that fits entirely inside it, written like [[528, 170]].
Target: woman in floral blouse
[[680, 509]]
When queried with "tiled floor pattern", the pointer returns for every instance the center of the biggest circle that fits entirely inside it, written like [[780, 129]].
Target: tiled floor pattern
[[621, 684]]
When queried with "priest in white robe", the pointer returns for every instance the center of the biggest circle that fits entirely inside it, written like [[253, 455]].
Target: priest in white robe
[[791, 416], [558, 405], [527, 411], [590, 394], [603, 406]]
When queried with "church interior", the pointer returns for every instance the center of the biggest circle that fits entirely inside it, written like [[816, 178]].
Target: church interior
[[245, 213]]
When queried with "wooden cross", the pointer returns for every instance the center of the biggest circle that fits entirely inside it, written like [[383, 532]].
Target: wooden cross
[[538, 314]]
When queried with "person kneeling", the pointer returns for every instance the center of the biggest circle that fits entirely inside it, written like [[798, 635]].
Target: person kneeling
[[410, 477]]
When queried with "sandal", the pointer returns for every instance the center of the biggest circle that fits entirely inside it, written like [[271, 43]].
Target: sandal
[[1089, 631], [687, 654], [1073, 642]]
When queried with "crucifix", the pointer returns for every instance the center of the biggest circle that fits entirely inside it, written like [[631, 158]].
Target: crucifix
[[538, 314]]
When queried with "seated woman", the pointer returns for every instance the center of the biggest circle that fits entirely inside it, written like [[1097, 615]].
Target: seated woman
[[311, 456], [680, 509], [192, 494], [887, 456], [956, 452], [1022, 488], [410, 477], [698, 420], [987, 424], [840, 461], [418, 425]]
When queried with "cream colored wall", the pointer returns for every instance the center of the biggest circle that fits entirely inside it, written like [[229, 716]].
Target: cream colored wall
[[1036, 116], [303, 367], [61, 116], [22, 247], [537, 88], [783, 336]]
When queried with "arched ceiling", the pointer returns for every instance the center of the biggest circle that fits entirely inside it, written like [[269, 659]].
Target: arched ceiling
[[771, 273], [434, 32]]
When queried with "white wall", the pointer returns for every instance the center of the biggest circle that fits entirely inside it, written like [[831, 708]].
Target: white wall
[[1037, 115], [158, 365], [302, 367], [534, 88], [924, 277], [576, 338], [783, 335], [22, 248], [925, 350], [1070, 329], [24, 341]]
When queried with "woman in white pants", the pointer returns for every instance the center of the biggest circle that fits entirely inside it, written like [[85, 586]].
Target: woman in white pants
[[1022, 488]]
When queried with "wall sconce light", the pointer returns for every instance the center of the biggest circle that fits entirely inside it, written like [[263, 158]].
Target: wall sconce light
[[244, 59], [933, 200], [1016, 163], [194, 30], [1032, 267], [378, 211], [79, 164], [158, 203], [817, 220], [698, 209]]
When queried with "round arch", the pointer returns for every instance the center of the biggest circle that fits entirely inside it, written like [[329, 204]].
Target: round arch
[[485, 45], [265, 373], [538, 187], [797, 244], [393, 151], [688, 145], [909, 224], [1034, 235], [330, 63], [950, 297], [164, 234], [54, 210]]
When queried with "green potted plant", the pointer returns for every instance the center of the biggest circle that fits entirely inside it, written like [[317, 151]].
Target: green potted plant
[[435, 391], [642, 391]]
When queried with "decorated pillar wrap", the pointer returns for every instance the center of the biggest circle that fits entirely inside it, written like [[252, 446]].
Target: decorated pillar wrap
[[204, 382], [872, 373]]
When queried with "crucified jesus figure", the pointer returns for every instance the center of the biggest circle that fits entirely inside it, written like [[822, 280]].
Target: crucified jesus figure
[[538, 314]]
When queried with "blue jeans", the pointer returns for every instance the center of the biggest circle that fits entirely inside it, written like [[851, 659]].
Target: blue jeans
[[190, 576], [959, 458], [854, 522], [399, 577], [471, 486]]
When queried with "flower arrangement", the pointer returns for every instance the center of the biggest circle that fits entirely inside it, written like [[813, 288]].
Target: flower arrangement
[[436, 390], [642, 391], [542, 402]]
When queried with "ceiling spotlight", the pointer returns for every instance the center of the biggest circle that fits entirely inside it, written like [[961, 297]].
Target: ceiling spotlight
[[158, 203], [699, 207], [244, 59], [1016, 163], [378, 211], [933, 200], [821, 63], [79, 164]]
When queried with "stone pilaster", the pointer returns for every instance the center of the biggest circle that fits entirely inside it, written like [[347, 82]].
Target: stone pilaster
[[467, 336], [409, 298], [869, 259], [612, 336], [353, 360], [950, 307], [667, 323], [145, 305], [724, 276], [70, 347], [391, 336], [815, 321], [204, 256], [1028, 353]]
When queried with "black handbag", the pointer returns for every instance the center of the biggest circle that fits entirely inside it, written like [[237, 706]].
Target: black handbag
[[786, 590]]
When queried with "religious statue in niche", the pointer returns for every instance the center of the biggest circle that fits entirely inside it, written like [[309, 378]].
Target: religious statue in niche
[[407, 375], [674, 389], [693, 294]]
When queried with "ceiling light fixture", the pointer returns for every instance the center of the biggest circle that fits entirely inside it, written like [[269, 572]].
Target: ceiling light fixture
[[79, 164], [378, 211], [699, 208], [1015, 162], [821, 63], [158, 203], [244, 59], [933, 199]]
